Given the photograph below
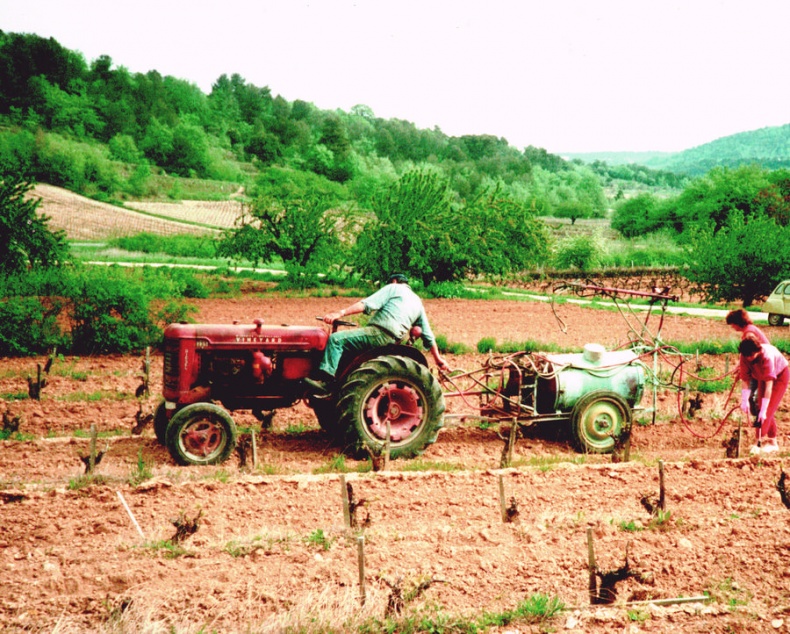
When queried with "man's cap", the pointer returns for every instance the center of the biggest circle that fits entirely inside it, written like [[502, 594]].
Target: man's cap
[[399, 277]]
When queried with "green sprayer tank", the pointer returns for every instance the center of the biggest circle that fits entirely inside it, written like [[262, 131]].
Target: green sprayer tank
[[571, 376]]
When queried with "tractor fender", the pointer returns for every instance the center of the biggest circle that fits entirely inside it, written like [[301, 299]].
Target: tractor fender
[[396, 349]]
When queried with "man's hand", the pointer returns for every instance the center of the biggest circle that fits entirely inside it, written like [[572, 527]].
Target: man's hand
[[333, 317]]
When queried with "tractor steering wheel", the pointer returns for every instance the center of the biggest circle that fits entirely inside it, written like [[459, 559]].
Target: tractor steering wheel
[[339, 322]]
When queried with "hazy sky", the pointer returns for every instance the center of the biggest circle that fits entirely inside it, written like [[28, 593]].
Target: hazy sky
[[565, 75]]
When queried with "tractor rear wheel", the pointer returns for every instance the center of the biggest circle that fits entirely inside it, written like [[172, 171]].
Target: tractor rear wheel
[[201, 434], [395, 390], [597, 419]]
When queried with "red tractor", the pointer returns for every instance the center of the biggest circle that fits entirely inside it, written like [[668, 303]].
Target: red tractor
[[213, 370]]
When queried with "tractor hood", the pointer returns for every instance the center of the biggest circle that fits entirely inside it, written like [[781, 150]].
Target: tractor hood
[[255, 335]]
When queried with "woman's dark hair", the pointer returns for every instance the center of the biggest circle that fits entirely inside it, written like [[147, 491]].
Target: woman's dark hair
[[738, 317], [748, 347]]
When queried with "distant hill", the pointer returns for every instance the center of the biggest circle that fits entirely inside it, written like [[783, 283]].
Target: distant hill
[[617, 158], [768, 147]]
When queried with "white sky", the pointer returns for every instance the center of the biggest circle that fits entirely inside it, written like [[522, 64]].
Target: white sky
[[565, 75]]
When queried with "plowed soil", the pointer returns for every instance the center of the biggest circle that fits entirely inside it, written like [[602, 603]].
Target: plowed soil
[[271, 550]]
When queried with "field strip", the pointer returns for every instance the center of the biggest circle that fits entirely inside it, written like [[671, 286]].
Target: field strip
[[82, 218], [220, 214], [677, 310], [200, 267]]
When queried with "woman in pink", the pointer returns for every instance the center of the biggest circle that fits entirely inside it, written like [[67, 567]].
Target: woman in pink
[[741, 322], [769, 367]]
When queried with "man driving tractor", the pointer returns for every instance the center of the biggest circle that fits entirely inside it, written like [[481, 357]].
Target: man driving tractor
[[397, 310]]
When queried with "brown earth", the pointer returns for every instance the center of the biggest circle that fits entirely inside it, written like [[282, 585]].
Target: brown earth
[[271, 551]]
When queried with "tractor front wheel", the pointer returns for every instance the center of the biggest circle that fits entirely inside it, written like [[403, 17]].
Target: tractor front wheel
[[326, 412], [598, 418], [161, 422], [201, 434], [391, 391]]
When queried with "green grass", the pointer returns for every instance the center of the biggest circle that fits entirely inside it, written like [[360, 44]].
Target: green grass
[[94, 397], [297, 429], [142, 471], [630, 526], [170, 549], [661, 521], [319, 539], [85, 480], [337, 464], [220, 475], [537, 609], [708, 381], [638, 616], [490, 344], [546, 463], [446, 347], [7, 434], [728, 592], [173, 250], [244, 547], [419, 464], [709, 346], [110, 433], [14, 396]]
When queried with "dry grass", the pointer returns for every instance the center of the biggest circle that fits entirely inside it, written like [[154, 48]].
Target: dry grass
[[85, 219], [220, 214]]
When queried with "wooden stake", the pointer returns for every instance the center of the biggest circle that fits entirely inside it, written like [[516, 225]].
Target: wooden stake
[[697, 599], [738, 446], [129, 511], [361, 562], [502, 504], [254, 450], [627, 446], [344, 494], [592, 568], [92, 460], [510, 443], [147, 370], [661, 494]]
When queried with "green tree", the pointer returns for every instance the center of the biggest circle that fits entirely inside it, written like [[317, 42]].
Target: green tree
[[638, 215], [579, 252], [509, 238], [741, 261], [414, 231], [722, 191], [24, 57], [576, 193], [419, 229], [293, 216], [123, 148], [190, 155], [25, 238], [157, 143]]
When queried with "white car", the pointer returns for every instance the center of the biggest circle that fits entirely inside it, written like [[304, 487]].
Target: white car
[[778, 304]]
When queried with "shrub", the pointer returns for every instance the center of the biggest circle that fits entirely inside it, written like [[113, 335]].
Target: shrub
[[583, 253], [28, 327], [111, 314]]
